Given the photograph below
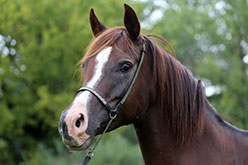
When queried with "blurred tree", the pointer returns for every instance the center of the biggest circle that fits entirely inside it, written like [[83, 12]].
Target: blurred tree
[[40, 45]]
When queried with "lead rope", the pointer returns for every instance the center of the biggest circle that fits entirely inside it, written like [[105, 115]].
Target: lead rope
[[90, 154]]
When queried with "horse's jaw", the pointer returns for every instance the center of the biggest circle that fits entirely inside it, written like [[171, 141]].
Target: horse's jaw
[[78, 147]]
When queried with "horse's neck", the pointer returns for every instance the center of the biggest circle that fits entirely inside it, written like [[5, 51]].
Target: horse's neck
[[153, 135], [158, 145]]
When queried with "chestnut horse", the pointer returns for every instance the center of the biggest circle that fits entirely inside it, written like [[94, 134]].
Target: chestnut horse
[[174, 122]]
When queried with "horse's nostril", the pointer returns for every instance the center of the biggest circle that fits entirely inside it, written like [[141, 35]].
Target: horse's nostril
[[78, 122]]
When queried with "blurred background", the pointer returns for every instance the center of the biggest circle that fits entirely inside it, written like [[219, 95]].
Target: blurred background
[[41, 42]]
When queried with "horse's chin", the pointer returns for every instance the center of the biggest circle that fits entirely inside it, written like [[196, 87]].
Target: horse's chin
[[81, 147]]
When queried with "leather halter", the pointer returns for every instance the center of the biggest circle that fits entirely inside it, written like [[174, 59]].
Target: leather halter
[[112, 111], [122, 101]]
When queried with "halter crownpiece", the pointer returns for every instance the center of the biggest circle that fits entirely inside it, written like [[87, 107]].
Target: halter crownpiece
[[112, 112]]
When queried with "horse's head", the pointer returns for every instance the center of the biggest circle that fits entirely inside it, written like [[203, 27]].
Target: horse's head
[[109, 65]]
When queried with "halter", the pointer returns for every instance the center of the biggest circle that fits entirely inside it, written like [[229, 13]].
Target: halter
[[112, 111]]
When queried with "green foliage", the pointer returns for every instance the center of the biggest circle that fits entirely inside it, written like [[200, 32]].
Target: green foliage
[[114, 149], [41, 43]]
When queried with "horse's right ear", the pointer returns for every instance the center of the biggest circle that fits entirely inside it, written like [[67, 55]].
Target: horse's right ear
[[131, 22], [96, 26]]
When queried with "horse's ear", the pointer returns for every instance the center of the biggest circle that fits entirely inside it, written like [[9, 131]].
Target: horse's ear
[[131, 22], [96, 25]]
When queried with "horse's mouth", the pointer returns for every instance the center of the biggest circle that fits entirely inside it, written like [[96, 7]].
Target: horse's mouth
[[81, 147]]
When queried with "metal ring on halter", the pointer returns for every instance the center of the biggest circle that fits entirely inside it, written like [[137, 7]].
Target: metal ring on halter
[[112, 116]]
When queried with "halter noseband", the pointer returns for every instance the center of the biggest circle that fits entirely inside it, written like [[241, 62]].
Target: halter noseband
[[112, 111], [122, 101]]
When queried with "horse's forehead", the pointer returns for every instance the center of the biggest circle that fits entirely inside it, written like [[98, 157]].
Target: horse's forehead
[[103, 56], [99, 63], [100, 58], [110, 54], [107, 56], [96, 64]]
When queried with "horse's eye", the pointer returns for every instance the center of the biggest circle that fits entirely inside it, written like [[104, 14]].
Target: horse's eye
[[125, 67]]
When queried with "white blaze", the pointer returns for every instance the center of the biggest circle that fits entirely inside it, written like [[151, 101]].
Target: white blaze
[[80, 102], [101, 59], [79, 105]]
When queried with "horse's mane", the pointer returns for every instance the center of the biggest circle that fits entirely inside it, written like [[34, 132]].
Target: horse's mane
[[181, 96]]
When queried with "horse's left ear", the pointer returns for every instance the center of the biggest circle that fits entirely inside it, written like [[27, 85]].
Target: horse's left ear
[[96, 26], [131, 22]]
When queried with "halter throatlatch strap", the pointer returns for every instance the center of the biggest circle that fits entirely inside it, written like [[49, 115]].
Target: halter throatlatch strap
[[112, 112]]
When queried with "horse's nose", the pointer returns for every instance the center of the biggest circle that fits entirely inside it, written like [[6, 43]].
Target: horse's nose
[[72, 126], [74, 121]]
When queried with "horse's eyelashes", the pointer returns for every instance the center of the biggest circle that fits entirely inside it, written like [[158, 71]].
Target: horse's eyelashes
[[126, 67]]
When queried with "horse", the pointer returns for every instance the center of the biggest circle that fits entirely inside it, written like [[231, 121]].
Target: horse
[[129, 79]]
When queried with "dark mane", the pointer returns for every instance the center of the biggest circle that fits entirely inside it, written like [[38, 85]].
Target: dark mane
[[180, 94]]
